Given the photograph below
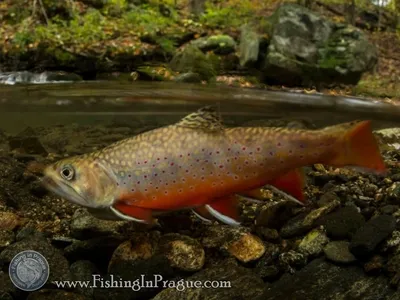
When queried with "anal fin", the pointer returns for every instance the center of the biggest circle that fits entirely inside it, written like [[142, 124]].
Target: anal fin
[[225, 210], [203, 214], [291, 184]]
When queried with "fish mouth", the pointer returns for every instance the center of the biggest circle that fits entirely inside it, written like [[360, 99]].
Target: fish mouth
[[63, 190]]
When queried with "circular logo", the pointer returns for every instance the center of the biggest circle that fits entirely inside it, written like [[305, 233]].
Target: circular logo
[[29, 270]]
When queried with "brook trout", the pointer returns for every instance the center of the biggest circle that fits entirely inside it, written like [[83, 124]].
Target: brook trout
[[199, 164]]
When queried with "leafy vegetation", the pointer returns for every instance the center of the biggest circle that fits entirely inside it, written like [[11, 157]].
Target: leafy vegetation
[[103, 31]]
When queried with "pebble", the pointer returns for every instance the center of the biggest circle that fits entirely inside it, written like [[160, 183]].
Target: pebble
[[243, 284], [268, 234], [7, 237], [389, 209], [265, 267], [343, 223], [327, 198], [371, 234], [183, 252], [83, 270], [246, 248], [291, 260], [393, 193], [313, 243], [304, 222], [275, 214], [84, 225], [374, 265], [9, 221], [338, 251]]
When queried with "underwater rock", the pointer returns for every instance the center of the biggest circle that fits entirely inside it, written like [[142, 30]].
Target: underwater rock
[[84, 225], [188, 77], [304, 222], [26, 145], [265, 267], [292, 260], [133, 260], [374, 265], [294, 227], [155, 73], [338, 251], [7, 237], [237, 241], [235, 282], [268, 234], [329, 281], [393, 193], [327, 198], [343, 223], [58, 265], [389, 209], [246, 248], [313, 243], [47, 294], [249, 46], [9, 221], [183, 252], [306, 47], [371, 234], [393, 267], [83, 270], [219, 44], [98, 250], [275, 214], [7, 288]]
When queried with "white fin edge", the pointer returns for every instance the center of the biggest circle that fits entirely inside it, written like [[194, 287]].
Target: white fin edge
[[225, 219], [287, 196], [128, 218], [201, 217]]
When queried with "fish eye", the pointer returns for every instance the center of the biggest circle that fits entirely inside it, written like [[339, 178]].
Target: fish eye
[[67, 172]]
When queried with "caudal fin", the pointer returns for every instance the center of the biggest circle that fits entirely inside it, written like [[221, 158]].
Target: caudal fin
[[359, 148]]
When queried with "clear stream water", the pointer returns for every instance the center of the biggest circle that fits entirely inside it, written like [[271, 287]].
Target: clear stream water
[[154, 103]]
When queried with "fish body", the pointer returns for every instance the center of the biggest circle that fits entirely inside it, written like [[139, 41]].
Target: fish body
[[199, 164]]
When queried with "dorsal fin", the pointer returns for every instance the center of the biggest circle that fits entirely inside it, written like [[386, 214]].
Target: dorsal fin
[[206, 118]]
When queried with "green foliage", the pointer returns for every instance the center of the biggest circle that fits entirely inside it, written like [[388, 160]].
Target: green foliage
[[232, 14], [146, 19]]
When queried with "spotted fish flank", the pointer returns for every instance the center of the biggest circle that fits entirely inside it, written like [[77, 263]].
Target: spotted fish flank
[[199, 164]]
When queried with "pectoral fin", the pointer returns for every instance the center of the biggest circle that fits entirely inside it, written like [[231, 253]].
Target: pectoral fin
[[132, 213]]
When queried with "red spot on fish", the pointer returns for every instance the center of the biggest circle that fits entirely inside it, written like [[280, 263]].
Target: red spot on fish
[[229, 149], [279, 144], [129, 175], [271, 153], [251, 153], [132, 190], [197, 160], [145, 161], [188, 154], [158, 158], [145, 176], [258, 149], [154, 166], [221, 166], [301, 146], [187, 171], [172, 164], [217, 152], [244, 148], [138, 182], [155, 175], [180, 155], [202, 177]]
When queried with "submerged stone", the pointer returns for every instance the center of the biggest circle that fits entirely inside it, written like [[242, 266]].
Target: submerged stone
[[371, 234], [338, 251]]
